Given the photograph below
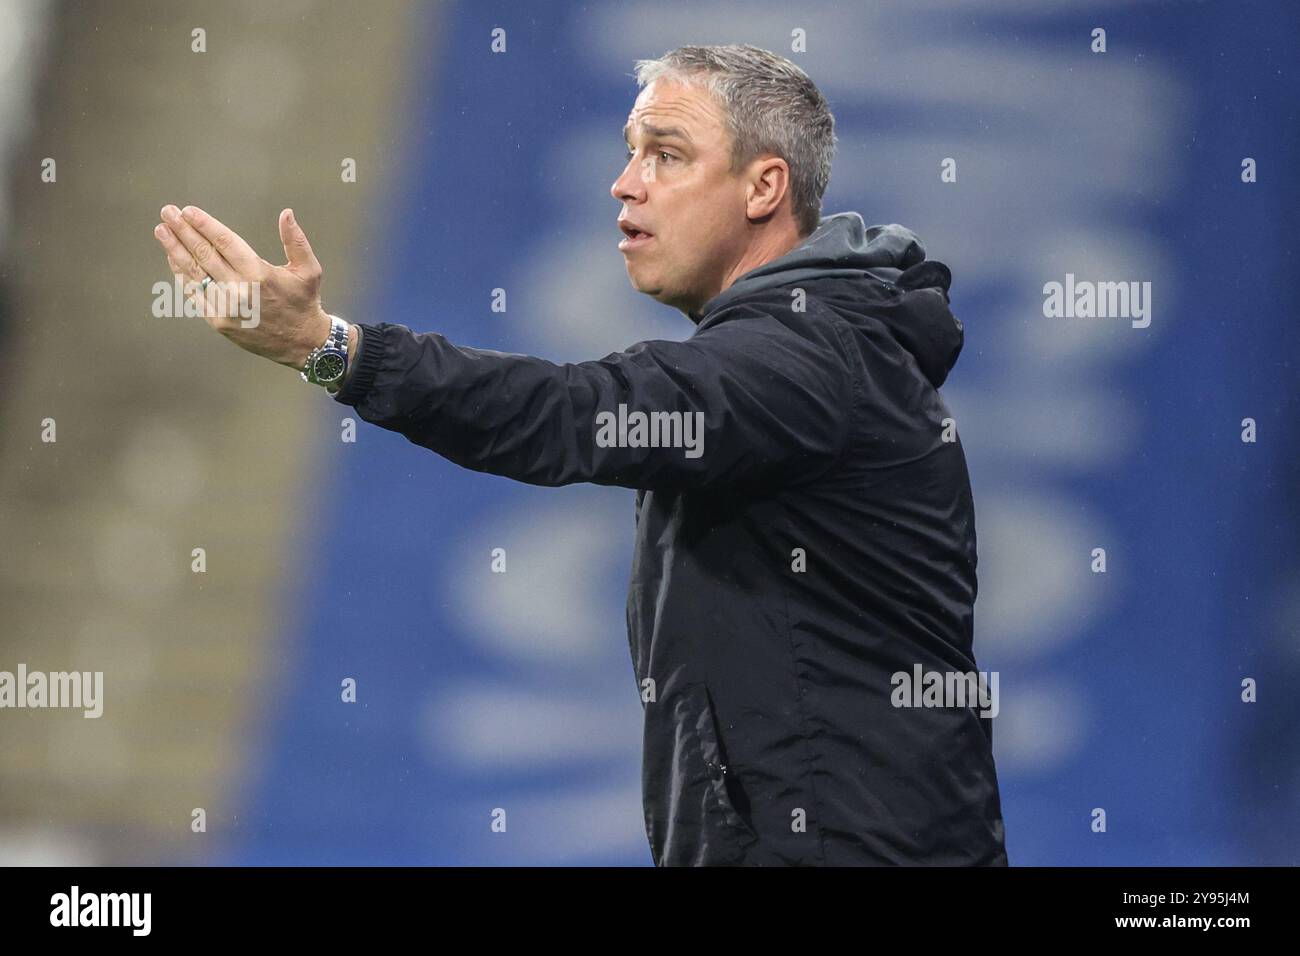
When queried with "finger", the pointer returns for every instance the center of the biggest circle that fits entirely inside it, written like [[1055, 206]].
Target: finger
[[182, 263], [178, 254], [296, 247], [200, 249], [225, 240]]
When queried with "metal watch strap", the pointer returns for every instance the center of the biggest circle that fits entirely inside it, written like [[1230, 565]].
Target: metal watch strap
[[335, 343]]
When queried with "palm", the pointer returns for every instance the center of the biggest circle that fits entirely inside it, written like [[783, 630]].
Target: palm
[[276, 310]]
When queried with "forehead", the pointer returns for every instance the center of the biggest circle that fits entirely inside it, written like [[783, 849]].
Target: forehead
[[664, 105]]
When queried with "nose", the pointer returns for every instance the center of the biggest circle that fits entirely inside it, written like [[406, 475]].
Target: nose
[[630, 185]]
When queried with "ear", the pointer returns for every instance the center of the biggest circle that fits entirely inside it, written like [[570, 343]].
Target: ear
[[769, 183]]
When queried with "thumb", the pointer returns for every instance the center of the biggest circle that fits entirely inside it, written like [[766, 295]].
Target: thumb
[[296, 246]]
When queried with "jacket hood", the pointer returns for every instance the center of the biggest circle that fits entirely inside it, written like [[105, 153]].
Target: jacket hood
[[843, 245]]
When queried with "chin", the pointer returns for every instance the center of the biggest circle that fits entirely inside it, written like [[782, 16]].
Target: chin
[[655, 287], [644, 284]]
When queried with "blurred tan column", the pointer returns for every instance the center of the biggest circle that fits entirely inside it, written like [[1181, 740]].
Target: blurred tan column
[[169, 438]]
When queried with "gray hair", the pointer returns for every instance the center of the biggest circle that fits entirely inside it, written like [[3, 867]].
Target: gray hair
[[770, 105]]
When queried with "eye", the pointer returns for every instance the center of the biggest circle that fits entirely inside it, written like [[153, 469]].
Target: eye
[[628, 154]]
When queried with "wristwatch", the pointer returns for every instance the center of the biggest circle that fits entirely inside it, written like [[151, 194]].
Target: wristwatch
[[328, 363]]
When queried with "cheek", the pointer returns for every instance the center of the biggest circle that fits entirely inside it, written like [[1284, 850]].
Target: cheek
[[710, 219], [699, 241]]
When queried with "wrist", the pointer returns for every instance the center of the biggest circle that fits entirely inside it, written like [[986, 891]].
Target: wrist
[[327, 363], [318, 336], [353, 337]]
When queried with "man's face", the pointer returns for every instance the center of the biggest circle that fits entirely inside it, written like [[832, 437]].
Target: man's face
[[677, 186]]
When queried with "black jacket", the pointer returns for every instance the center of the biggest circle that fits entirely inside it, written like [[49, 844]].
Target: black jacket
[[820, 541]]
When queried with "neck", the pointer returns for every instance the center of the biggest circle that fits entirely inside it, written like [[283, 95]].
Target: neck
[[770, 241]]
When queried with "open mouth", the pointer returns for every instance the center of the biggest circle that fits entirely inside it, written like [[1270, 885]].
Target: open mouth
[[633, 237]]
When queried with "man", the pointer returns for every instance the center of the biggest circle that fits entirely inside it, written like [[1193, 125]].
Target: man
[[804, 524]]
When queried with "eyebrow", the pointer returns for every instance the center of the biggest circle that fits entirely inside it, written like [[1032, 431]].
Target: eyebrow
[[660, 132]]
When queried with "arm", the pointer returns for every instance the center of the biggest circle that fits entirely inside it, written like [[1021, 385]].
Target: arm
[[759, 395], [757, 401]]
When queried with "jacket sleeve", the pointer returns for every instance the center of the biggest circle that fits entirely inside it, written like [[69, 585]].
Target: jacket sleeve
[[758, 402]]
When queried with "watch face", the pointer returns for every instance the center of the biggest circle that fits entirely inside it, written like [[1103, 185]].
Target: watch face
[[328, 367]]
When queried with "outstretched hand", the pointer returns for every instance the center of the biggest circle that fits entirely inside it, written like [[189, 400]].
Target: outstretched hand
[[272, 311]]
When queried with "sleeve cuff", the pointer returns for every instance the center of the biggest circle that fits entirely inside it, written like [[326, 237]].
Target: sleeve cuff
[[360, 378]]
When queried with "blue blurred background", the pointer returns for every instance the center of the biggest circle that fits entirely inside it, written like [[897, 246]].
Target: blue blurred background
[[1119, 690]]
